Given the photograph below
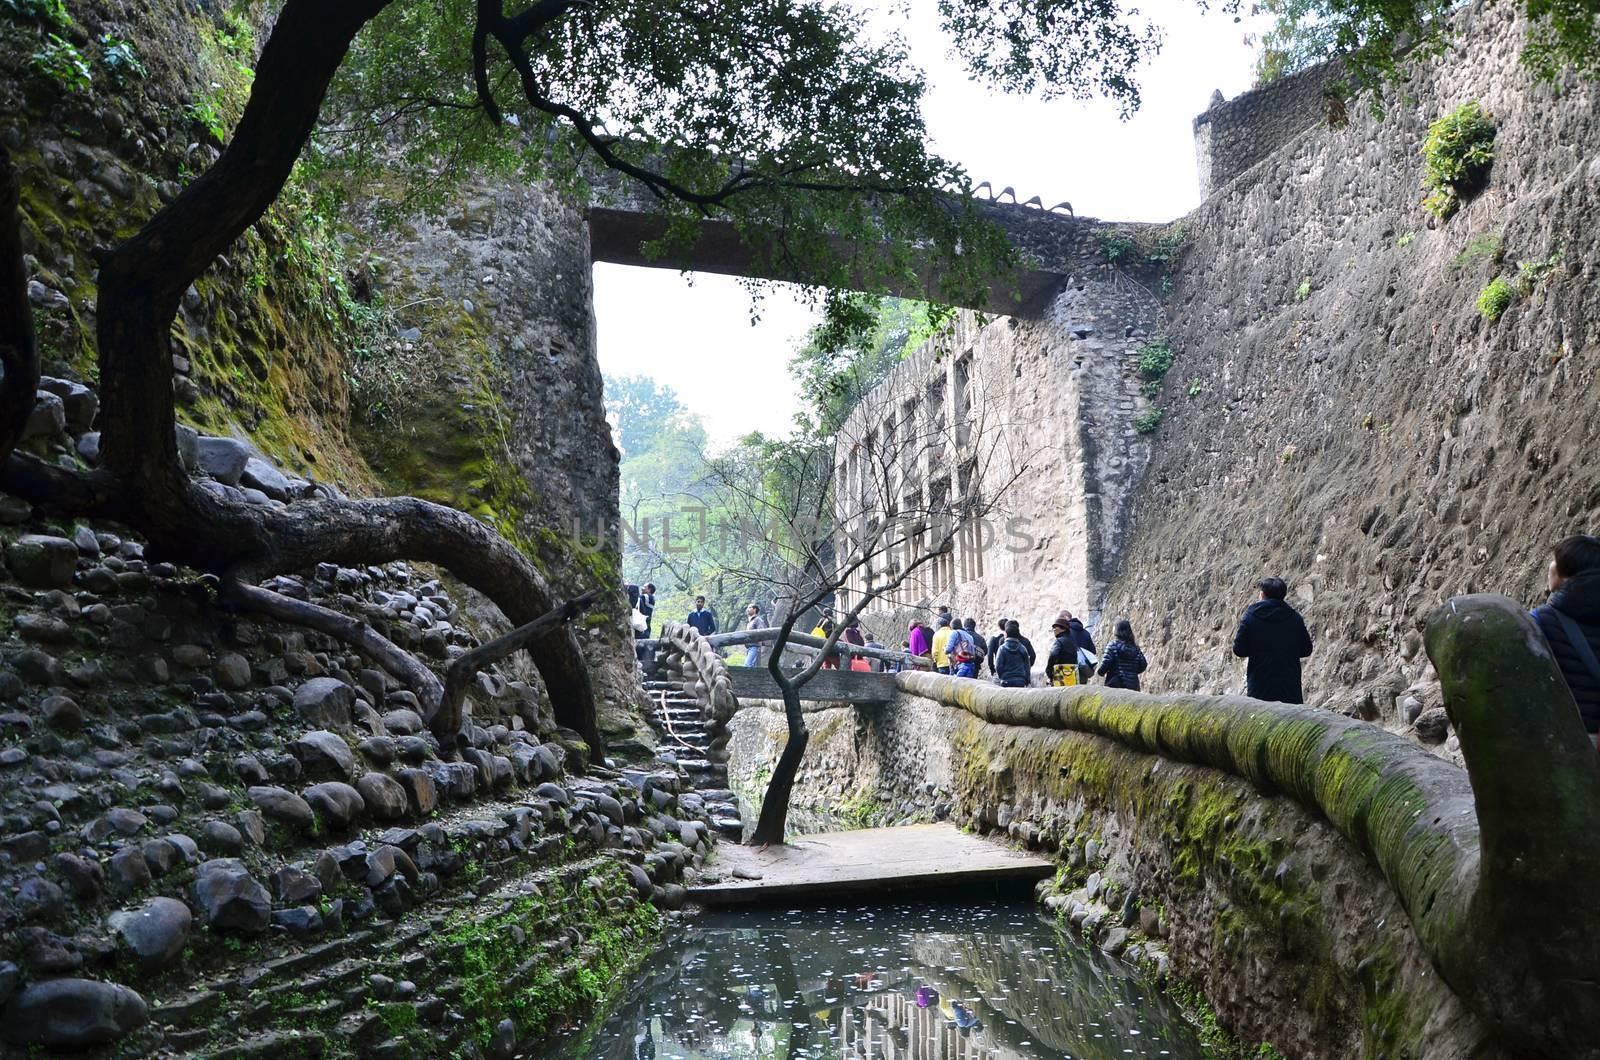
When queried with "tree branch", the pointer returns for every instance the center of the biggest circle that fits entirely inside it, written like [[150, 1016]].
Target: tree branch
[[400, 663], [461, 671]]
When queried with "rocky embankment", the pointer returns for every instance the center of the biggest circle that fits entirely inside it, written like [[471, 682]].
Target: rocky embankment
[[230, 837]]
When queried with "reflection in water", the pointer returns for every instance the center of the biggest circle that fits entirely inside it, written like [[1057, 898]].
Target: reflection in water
[[976, 981]]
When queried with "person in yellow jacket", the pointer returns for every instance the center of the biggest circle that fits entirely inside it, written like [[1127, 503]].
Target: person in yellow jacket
[[941, 645]]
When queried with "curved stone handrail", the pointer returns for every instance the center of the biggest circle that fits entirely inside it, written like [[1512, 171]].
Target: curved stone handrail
[[705, 676], [1495, 865]]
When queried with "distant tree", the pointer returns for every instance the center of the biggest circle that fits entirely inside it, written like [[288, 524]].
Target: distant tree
[[641, 408], [830, 523]]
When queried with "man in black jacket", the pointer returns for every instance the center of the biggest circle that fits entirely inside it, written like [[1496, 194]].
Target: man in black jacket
[[1273, 637], [1574, 607]]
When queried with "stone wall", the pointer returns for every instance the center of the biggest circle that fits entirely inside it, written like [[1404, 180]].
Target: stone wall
[[1361, 430], [1233, 135], [452, 357], [1292, 935], [1053, 439], [507, 419]]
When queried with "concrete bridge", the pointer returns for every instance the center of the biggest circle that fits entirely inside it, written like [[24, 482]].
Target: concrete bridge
[[1053, 245]]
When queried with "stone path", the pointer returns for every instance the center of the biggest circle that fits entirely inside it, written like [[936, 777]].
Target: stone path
[[865, 861]]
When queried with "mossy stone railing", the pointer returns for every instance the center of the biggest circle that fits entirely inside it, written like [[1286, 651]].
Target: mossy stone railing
[[1497, 866]]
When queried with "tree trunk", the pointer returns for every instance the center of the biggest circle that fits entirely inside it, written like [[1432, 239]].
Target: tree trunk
[[141, 283], [188, 524], [774, 819]]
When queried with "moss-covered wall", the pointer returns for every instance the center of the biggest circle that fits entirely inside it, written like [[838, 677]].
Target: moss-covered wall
[[487, 396], [261, 339], [449, 357]]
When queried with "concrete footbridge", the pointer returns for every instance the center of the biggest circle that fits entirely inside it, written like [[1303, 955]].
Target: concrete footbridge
[[1053, 243]]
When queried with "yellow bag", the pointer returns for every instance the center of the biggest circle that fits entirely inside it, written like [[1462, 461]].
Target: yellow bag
[[1063, 674]]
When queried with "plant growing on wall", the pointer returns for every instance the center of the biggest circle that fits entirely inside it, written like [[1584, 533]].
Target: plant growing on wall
[[1496, 298], [121, 60], [58, 61], [1457, 155], [1148, 420], [1114, 244], [1532, 273], [1155, 360]]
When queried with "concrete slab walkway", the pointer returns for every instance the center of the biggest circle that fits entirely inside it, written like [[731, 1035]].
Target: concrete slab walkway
[[865, 861]]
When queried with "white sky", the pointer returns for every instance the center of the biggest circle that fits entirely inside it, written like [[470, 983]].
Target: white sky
[[694, 333]]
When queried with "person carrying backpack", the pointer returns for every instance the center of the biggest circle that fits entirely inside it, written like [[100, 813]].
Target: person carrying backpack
[[1062, 663], [1570, 622], [942, 642], [979, 650], [964, 657], [1123, 662], [1013, 661]]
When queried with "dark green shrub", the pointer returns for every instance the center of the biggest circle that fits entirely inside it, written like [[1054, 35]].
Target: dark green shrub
[[1114, 244], [1155, 359], [59, 61], [1494, 299], [1458, 152], [1148, 420]]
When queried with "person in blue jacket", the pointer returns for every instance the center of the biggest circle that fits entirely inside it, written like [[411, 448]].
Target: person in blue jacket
[[702, 617], [1273, 638], [1570, 621], [1013, 659]]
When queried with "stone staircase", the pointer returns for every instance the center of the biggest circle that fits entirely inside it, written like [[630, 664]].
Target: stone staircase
[[514, 894], [690, 743]]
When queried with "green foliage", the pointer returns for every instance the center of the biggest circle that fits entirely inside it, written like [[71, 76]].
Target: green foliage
[[121, 60], [789, 121], [1494, 299], [1300, 36], [1053, 46], [1114, 244], [1532, 273], [1148, 420], [1405, 240], [1381, 42], [1155, 358], [1457, 155], [1168, 246], [854, 349], [62, 63], [1303, 292], [1485, 246], [50, 13], [1195, 389], [207, 112], [236, 37]]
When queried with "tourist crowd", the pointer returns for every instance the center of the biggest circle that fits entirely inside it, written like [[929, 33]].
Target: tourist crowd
[[1272, 639]]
